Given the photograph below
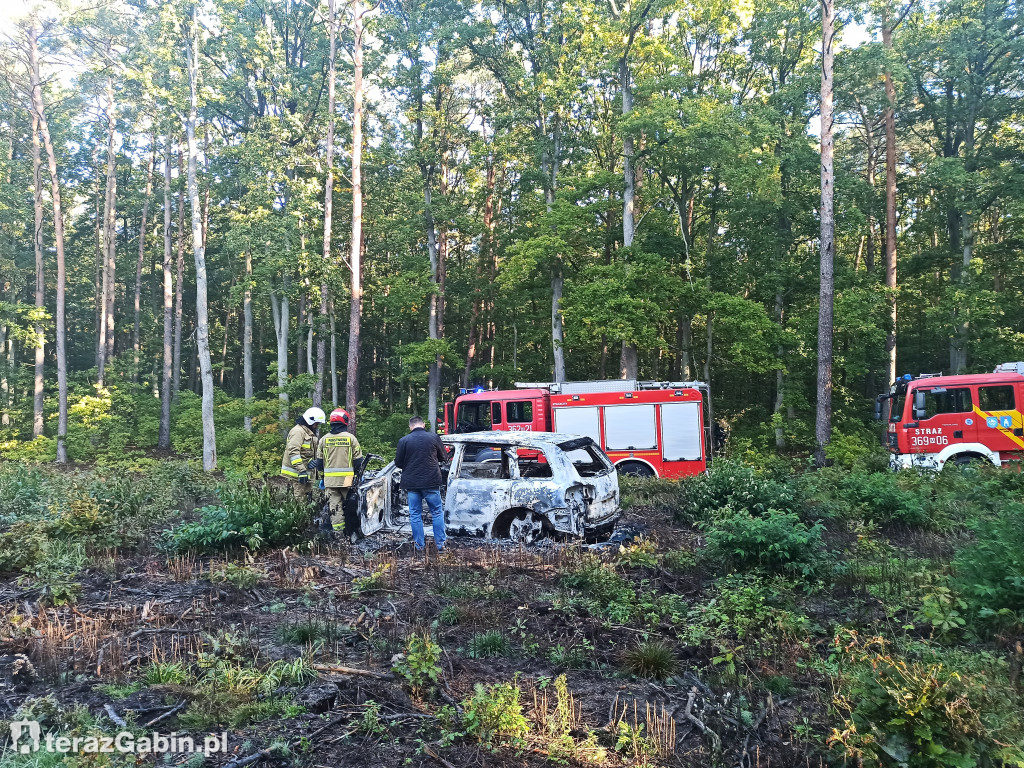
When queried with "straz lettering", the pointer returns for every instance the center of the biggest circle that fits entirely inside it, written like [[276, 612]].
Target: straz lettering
[[928, 431]]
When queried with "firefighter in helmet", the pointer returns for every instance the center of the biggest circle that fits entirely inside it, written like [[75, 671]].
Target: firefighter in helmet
[[339, 449], [301, 453]]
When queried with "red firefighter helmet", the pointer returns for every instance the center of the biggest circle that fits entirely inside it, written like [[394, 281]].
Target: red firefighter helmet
[[339, 416]]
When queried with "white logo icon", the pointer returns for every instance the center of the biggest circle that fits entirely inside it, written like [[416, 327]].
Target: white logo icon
[[20, 727]]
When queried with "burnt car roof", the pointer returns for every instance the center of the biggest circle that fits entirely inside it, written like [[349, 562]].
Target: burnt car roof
[[524, 439]]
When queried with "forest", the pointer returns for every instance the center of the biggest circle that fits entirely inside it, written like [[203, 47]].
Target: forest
[[264, 204], [217, 213]]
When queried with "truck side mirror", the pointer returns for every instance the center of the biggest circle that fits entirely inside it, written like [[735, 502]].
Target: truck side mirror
[[920, 404], [878, 409]]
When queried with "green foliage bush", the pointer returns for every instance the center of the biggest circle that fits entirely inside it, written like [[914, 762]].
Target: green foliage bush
[[884, 497], [493, 715], [251, 516], [773, 541], [990, 571], [421, 665], [733, 485], [926, 707]]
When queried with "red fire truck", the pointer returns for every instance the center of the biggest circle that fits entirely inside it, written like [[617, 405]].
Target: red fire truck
[[647, 428], [936, 419]]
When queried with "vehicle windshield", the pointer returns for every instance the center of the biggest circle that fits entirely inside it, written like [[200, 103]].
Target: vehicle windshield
[[474, 416], [586, 457], [896, 406]]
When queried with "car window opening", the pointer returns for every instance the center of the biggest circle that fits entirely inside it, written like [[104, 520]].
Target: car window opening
[[586, 458], [481, 461], [474, 417]]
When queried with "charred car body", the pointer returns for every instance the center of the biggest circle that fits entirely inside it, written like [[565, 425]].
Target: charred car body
[[516, 485]]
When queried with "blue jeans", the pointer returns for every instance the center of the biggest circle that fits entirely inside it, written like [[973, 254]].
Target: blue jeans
[[433, 498]]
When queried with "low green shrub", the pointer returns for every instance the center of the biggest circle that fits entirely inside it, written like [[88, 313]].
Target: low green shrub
[[420, 666], [729, 484], [882, 497], [772, 541], [248, 516], [925, 707], [493, 715], [989, 573]]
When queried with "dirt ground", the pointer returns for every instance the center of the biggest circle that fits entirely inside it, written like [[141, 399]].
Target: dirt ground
[[135, 611]]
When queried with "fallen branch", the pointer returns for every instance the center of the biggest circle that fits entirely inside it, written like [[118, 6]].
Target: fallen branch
[[112, 714], [255, 757], [338, 669], [430, 751], [160, 718], [716, 742]]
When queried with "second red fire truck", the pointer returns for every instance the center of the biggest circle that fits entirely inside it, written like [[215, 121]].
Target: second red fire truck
[[647, 428], [934, 420]]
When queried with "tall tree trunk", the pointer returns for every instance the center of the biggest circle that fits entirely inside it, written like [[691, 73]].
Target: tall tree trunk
[[321, 346], [166, 392], [179, 282], [780, 376], [434, 374], [823, 417], [300, 341], [628, 364], [37, 242], [109, 240], [247, 339], [202, 312], [136, 329], [558, 274], [890, 203], [6, 343], [282, 316], [334, 362], [58, 232], [485, 250]]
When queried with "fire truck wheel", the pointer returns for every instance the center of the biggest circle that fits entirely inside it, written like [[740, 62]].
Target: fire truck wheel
[[970, 460], [634, 469]]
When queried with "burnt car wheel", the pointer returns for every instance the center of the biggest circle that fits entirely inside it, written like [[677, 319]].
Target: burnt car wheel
[[521, 526]]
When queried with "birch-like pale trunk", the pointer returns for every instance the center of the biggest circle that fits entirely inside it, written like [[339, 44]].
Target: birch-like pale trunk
[[109, 249], [321, 341], [356, 244], [557, 275], [37, 242], [137, 328], [39, 108], [247, 339], [826, 293], [434, 374], [628, 364], [195, 204], [179, 286], [890, 201], [167, 381], [281, 314]]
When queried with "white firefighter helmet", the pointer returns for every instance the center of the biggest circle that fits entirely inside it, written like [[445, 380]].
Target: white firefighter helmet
[[314, 416]]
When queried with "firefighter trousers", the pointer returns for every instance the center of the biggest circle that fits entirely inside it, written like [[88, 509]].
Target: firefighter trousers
[[335, 498], [303, 492]]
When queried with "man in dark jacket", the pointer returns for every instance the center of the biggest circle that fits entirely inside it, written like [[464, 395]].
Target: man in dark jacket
[[419, 456]]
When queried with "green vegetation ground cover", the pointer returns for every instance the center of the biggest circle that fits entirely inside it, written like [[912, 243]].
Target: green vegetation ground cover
[[838, 615]]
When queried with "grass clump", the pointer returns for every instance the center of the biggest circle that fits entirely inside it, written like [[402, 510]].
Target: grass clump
[[654, 659], [486, 645]]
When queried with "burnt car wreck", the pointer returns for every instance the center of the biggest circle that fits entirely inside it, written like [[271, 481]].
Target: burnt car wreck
[[503, 485]]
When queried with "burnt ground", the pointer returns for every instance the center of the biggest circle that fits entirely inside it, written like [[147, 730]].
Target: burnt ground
[[368, 599]]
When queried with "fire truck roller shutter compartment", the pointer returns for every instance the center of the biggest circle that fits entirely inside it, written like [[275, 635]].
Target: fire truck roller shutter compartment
[[680, 431], [630, 428], [581, 420]]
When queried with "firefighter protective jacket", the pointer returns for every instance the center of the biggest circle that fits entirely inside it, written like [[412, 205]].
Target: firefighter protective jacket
[[299, 450], [339, 450]]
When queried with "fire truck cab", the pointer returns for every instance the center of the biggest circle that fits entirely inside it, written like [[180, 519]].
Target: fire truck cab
[[646, 428], [934, 419]]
